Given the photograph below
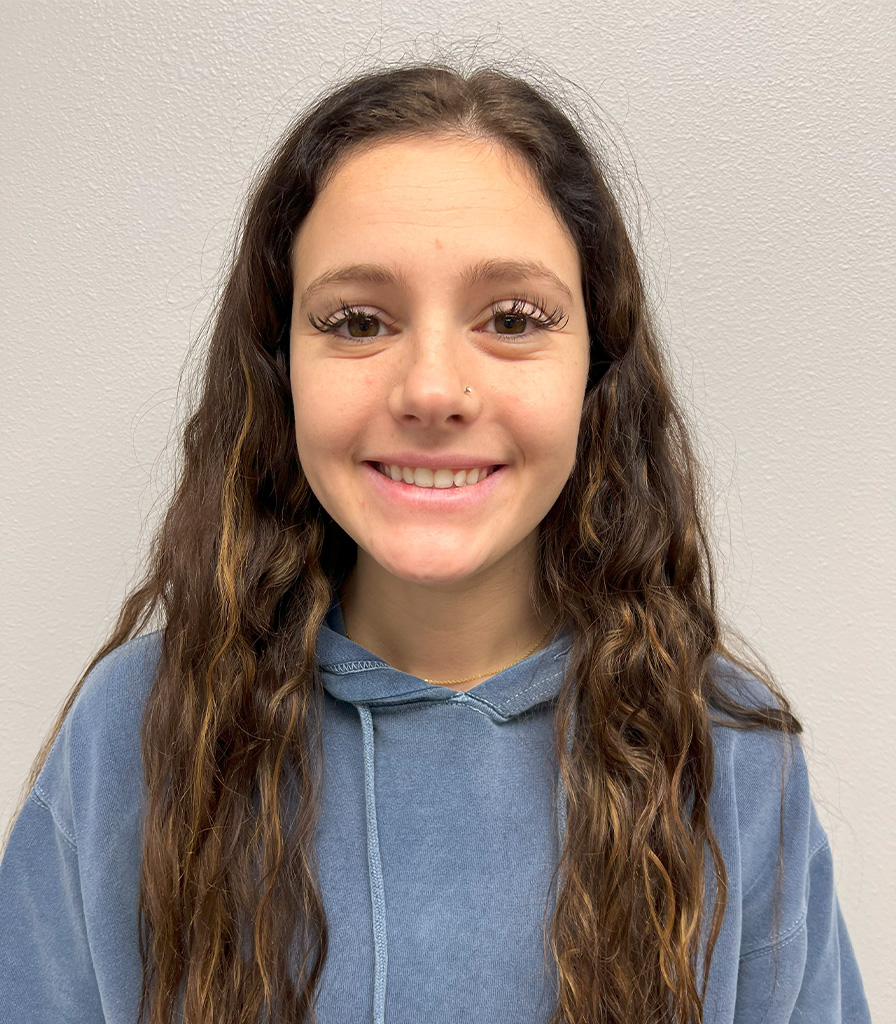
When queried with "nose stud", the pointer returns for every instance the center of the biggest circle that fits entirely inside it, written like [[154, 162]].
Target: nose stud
[[468, 391]]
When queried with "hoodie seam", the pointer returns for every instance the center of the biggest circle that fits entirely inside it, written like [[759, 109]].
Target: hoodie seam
[[403, 707], [386, 703], [41, 800], [792, 933], [371, 664], [501, 709], [394, 706], [464, 698], [820, 845], [541, 682], [344, 668], [467, 705]]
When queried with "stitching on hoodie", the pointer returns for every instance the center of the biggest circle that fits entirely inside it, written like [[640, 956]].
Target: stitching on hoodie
[[347, 667], [820, 845], [343, 668], [397, 706], [469, 699], [792, 931], [407, 706], [541, 682], [41, 800], [797, 929], [461, 700], [469, 705]]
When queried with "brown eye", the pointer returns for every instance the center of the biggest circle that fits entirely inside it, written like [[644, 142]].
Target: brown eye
[[512, 320], [515, 323], [368, 325], [363, 326]]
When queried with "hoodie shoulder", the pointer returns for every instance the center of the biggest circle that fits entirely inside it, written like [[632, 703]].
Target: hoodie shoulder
[[740, 685], [763, 808], [97, 749], [117, 687], [757, 761], [795, 958]]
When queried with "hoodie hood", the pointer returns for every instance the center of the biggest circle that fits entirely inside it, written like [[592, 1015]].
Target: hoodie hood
[[349, 672]]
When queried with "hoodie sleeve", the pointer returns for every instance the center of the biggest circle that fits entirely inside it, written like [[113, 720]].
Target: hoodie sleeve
[[801, 969], [831, 986], [47, 975], [69, 876]]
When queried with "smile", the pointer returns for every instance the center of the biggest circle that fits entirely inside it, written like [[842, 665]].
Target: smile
[[422, 476]]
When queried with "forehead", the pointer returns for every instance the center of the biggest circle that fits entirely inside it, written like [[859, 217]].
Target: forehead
[[426, 204]]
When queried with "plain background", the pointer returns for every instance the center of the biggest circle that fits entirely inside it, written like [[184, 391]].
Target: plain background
[[760, 140]]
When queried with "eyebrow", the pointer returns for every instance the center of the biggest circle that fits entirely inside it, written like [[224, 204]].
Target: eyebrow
[[482, 272]]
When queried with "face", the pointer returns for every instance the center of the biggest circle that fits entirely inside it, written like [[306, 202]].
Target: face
[[424, 268]]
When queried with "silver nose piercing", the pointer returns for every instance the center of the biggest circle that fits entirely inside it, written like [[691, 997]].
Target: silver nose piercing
[[468, 391]]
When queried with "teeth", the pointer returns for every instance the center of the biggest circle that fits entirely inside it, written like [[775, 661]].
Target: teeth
[[422, 476]]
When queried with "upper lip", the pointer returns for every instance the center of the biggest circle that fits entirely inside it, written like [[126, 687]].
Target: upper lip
[[449, 461]]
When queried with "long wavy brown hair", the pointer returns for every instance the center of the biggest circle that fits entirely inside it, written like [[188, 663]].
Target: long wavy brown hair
[[244, 564]]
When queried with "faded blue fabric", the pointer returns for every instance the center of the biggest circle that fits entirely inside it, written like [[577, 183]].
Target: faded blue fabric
[[440, 831]]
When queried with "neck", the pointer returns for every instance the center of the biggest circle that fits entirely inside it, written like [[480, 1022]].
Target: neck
[[444, 632]]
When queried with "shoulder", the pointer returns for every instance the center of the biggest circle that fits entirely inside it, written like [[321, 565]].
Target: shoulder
[[115, 691], [748, 749], [755, 751], [761, 798], [95, 759]]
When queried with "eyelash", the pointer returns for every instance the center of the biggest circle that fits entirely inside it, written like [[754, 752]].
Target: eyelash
[[545, 321]]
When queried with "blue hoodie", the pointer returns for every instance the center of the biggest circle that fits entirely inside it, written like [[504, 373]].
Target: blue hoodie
[[440, 830]]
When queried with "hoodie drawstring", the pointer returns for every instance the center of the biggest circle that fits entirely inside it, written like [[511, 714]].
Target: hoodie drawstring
[[375, 864], [375, 867], [561, 793]]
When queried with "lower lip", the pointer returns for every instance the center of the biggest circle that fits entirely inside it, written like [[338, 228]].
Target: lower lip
[[412, 496]]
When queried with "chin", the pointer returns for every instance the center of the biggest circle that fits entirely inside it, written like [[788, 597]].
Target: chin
[[428, 572]]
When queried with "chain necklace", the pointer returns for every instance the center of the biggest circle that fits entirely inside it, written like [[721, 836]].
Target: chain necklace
[[494, 672]]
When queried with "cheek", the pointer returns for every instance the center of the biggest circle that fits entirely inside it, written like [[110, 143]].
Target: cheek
[[565, 441], [329, 414], [552, 422], [306, 413], [314, 421], [547, 444]]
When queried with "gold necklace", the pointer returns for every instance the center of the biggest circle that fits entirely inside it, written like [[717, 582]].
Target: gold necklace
[[479, 675]]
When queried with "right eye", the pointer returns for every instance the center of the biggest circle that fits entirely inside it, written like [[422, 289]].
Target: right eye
[[352, 315]]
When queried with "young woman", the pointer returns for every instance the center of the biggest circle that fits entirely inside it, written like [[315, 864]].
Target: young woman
[[439, 723]]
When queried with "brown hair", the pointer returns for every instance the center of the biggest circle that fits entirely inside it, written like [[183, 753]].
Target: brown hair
[[245, 561]]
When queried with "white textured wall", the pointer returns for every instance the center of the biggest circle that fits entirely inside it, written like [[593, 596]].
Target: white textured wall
[[763, 134]]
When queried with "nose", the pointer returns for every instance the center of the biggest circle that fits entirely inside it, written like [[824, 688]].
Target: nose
[[431, 388]]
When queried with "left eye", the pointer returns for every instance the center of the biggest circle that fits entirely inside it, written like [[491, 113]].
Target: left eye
[[521, 310]]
